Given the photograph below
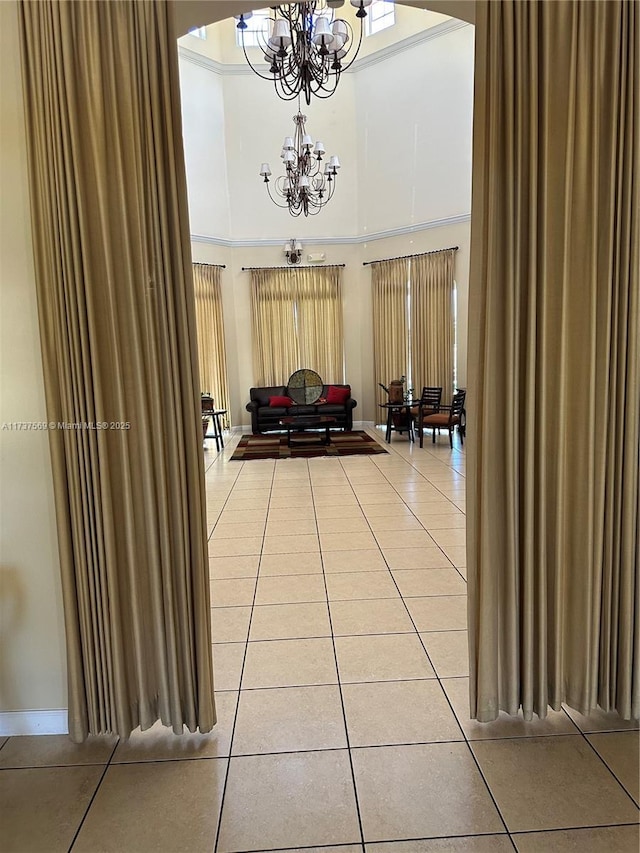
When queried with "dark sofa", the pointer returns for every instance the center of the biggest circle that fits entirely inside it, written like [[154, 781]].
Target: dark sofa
[[264, 417]]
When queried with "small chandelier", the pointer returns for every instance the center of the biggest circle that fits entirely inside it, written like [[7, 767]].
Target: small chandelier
[[306, 46], [305, 186]]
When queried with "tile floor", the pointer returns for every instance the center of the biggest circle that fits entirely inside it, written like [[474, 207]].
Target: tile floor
[[341, 669]]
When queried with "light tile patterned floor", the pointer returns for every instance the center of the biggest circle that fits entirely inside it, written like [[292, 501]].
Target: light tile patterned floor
[[341, 670]]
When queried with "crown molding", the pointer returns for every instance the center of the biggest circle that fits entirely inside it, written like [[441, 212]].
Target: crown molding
[[203, 61], [443, 29], [249, 243], [242, 69]]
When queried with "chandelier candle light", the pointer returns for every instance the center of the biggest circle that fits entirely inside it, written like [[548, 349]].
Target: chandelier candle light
[[306, 46], [305, 186]]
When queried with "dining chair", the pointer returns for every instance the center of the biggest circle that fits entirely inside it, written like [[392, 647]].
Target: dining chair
[[448, 419], [429, 404]]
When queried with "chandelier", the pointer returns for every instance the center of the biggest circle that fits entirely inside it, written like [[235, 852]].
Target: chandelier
[[306, 185], [305, 46]]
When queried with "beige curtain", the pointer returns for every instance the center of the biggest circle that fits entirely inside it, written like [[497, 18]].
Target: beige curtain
[[116, 307], [554, 355], [297, 322], [390, 282], [432, 329], [212, 357], [319, 314]]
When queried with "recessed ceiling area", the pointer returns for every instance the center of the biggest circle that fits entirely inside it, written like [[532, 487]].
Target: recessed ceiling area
[[400, 121]]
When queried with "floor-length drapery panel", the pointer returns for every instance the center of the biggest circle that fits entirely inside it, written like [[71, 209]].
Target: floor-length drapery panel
[[432, 325], [297, 322], [554, 356], [390, 281], [319, 316], [117, 319], [276, 351], [212, 358]]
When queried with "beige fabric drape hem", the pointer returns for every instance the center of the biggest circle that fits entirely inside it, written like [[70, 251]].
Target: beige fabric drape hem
[[117, 321]]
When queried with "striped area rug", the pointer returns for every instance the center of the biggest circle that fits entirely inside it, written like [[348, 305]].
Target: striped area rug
[[274, 445]]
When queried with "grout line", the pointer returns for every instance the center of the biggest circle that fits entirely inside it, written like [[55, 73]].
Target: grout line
[[572, 828], [335, 600], [344, 714], [235, 716], [95, 794], [444, 693], [344, 844], [637, 805], [339, 636]]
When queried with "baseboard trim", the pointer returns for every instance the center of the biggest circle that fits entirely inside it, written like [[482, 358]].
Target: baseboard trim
[[47, 722]]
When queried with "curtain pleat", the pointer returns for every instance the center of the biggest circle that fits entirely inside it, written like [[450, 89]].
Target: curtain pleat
[[554, 358], [117, 320], [212, 358], [390, 283], [297, 322], [432, 325]]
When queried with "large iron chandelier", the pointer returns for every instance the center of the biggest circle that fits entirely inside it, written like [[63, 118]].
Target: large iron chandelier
[[307, 184], [306, 46]]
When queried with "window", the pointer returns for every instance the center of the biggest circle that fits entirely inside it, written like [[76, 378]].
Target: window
[[257, 31], [414, 322], [297, 323], [380, 15], [198, 32]]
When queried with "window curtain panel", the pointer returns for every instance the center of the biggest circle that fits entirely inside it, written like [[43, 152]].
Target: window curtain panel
[[212, 358], [432, 329], [389, 280], [117, 320], [554, 440], [297, 322]]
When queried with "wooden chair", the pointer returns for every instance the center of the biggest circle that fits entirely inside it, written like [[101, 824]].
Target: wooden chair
[[210, 413], [429, 404], [448, 419]]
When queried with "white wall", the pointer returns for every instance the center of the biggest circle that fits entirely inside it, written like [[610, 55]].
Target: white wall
[[414, 115], [256, 122], [205, 150], [32, 656]]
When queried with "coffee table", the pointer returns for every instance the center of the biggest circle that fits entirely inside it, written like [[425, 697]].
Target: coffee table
[[302, 424]]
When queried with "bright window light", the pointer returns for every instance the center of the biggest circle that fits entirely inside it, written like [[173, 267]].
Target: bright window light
[[198, 32], [380, 15], [257, 31]]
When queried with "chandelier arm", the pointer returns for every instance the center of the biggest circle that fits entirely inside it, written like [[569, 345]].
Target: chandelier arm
[[275, 200], [355, 55], [283, 96], [328, 94], [251, 65]]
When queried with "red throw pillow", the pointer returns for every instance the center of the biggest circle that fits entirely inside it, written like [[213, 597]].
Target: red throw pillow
[[338, 396], [281, 402]]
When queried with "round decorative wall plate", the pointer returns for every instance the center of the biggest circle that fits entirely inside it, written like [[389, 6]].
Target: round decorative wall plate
[[305, 386]]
